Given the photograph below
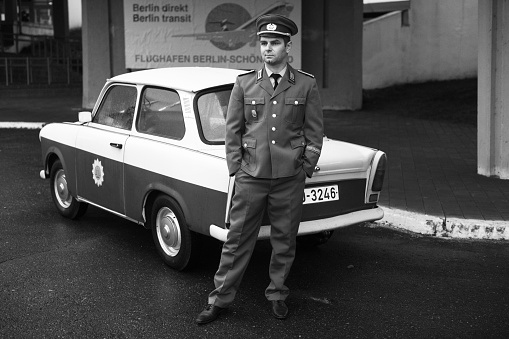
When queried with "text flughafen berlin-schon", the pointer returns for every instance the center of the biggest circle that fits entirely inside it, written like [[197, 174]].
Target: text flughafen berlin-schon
[[200, 59]]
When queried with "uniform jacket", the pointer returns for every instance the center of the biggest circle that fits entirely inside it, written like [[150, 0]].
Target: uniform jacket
[[273, 134]]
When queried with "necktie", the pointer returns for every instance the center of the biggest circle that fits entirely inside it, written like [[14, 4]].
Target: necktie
[[276, 79]]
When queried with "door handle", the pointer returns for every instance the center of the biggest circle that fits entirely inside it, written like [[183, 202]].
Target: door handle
[[113, 144]]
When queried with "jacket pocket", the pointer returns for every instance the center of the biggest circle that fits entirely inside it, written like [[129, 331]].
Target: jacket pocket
[[298, 147], [249, 154], [253, 109], [294, 110]]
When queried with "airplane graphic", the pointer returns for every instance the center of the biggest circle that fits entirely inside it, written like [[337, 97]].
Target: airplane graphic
[[221, 33], [224, 24]]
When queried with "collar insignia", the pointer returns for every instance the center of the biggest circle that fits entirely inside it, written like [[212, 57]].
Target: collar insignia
[[292, 77], [260, 75]]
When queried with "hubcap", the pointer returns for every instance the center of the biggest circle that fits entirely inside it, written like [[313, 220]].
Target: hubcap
[[61, 190], [168, 231]]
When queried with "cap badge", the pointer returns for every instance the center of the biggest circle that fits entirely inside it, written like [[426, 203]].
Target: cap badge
[[271, 27]]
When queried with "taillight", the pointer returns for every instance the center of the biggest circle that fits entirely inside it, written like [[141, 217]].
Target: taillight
[[378, 180]]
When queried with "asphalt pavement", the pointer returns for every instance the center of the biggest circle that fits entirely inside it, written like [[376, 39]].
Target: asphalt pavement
[[431, 184], [101, 277]]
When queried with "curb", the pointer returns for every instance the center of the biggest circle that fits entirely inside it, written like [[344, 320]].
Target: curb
[[444, 227]]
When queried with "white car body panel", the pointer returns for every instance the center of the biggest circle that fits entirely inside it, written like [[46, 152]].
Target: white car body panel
[[145, 153]]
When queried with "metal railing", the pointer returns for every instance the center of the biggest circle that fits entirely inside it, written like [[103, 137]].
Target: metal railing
[[40, 45], [37, 70], [35, 59]]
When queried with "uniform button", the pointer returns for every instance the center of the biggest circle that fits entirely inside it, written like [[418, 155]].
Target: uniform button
[[245, 145], [273, 128], [254, 102], [296, 102], [273, 115], [273, 142], [274, 102]]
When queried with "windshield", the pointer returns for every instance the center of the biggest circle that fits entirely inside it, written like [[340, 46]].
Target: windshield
[[212, 107]]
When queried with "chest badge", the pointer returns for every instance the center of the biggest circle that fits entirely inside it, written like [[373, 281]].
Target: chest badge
[[253, 111], [98, 172]]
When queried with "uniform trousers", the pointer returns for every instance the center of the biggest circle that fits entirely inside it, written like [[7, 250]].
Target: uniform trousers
[[282, 199]]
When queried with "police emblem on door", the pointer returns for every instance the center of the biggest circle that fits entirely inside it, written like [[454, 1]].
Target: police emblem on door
[[98, 172]]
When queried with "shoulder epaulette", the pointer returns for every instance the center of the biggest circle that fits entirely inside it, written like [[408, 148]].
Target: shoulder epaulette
[[309, 75], [248, 72]]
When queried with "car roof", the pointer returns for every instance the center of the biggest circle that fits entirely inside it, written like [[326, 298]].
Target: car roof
[[191, 79]]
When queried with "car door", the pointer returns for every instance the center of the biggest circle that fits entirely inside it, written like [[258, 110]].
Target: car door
[[100, 149], [151, 157]]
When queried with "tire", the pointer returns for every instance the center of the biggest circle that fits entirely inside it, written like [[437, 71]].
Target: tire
[[65, 203], [171, 236], [313, 240]]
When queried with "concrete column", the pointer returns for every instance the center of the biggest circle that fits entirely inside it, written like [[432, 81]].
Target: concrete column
[[332, 50], [96, 48], [343, 88], [117, 37], [103, 45], [493, 89]]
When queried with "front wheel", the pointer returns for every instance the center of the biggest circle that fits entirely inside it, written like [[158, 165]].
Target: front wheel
[[65, 203], [171, 236]]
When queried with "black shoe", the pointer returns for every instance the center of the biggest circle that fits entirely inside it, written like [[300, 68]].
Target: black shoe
[[279, 309], [210, 313]]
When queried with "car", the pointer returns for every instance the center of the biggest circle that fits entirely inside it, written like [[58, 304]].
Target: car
[[152, 151]]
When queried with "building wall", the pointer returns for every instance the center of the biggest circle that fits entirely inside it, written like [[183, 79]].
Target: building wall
[[440, 43]]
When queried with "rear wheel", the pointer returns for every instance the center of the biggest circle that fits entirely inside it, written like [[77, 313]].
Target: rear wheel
[[171, 236], [65, 203]]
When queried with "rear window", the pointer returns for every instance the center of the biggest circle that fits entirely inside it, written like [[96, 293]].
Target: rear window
[[212, 107], [161, 114]]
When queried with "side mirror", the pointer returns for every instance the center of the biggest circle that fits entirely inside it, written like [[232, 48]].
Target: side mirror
[[85, 116]]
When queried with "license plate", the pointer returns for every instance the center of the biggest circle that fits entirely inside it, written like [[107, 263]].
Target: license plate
[[321, 194]]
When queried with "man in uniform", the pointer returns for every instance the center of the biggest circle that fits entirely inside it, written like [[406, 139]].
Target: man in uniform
[[274, 131]]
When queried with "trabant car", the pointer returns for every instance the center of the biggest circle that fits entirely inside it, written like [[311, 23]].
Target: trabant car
[[152, 151]]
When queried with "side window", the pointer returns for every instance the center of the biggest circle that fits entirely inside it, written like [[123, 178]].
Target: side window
[[161, 114], [212, 109], [117, 107]]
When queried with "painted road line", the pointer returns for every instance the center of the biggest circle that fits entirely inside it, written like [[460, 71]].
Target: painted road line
[[25, 125]]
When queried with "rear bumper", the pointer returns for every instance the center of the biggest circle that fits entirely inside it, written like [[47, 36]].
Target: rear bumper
[[314, 226]]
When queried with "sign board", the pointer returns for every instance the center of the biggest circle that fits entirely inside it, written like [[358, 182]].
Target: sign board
[[214, 33]]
